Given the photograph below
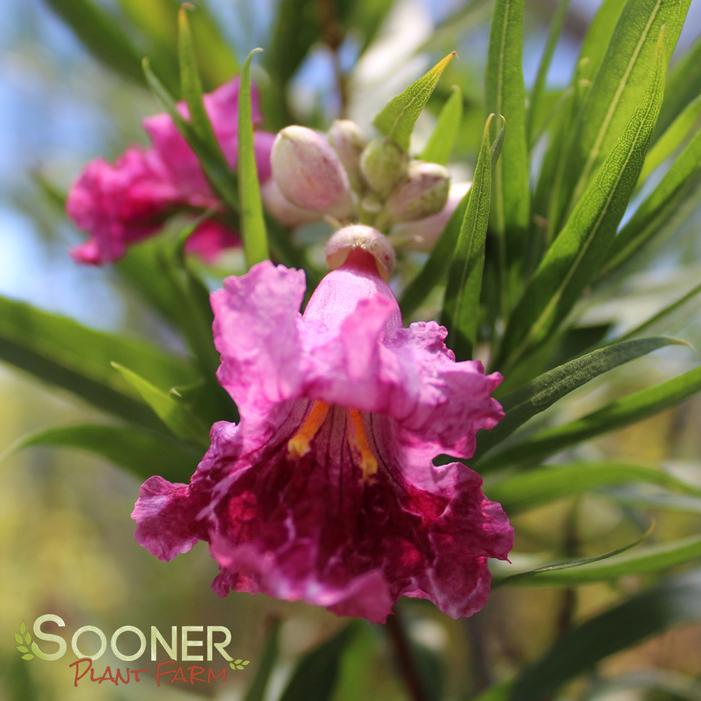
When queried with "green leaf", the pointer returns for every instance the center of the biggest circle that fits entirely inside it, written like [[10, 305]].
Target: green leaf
[[647, 613], [214, 52], [462, 297], [62, 352], [316, 674], [436, 268], [598, 37], [256, 690], [542, 392], [190, 297], [173, 412], [505, 575], [190, 84], [645, 29], [655, 319], [506, 96], [538, 90], [212, 160], [102, 34], [661, 206], [527, 490], [28, 656], [19, 639], [442, 140], [684, 84], [643, 560], [397, 119], [139, 450], [578, 254], [255, 241], [672, 138], [627, 410]]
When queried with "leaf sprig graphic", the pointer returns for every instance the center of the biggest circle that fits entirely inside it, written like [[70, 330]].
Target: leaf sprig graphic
[[24, 640], [239, 664]]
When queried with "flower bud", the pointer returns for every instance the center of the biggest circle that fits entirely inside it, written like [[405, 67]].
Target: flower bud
[[282, 209], [383, 164], [359, 236], [422, 193], [422, 234], [348, 141], [309, 173]]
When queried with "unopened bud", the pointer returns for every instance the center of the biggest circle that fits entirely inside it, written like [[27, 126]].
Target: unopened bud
[[383, 164], [359, 236], [422, 234], [422, 193], [282, 209], [309, 173], [348, 142]]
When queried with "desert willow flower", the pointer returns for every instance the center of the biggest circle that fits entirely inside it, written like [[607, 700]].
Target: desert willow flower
[[326, 491]]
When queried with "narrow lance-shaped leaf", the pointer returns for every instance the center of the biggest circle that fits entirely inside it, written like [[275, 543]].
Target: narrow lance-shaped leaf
[[255, 241], [137, 449], [397, 119], [653, 558], [316, 674], [256, 690], [506, 96], [539, 85], [435, 269], [578, 254], [542, 392], [502, 576], [644, 28], [598, 37], [684, 85], [664, 204], [173, 412], [646, 613], [190, 296], [67, 354], [442, 140], [669, 310], [462, 296], [190, 83], [677, 132], [213, 162], [625, 411], [528, 490]]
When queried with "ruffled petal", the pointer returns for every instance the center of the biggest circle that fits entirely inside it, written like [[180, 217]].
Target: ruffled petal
[[311, 530], [256, 319], [119, 204], [166, 518], [357, 354]]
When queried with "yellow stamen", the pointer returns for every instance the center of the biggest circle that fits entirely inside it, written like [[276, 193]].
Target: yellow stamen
[[300, 444], [358, 439]]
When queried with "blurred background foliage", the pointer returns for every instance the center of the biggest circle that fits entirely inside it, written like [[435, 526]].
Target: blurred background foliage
[[71, 94]]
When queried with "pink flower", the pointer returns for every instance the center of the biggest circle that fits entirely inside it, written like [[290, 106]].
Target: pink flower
[[121, 204], [325, 491]]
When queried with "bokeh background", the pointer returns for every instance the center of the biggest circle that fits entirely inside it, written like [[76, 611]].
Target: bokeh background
[[66, 539]]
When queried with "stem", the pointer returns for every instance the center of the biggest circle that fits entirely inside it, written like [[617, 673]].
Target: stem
[[404, 657], [476, 633]]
